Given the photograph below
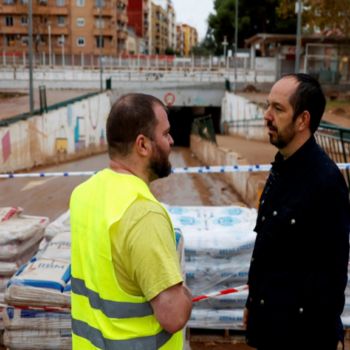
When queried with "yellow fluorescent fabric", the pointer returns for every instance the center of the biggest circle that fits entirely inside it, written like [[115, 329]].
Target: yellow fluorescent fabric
[[104, 315], [144, 255]]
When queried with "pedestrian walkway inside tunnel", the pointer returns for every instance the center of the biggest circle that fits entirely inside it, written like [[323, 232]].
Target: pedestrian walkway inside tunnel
[[181, 119]]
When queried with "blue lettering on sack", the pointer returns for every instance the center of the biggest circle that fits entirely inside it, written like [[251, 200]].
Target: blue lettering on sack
[[234, 211], [188, 220], [178, 210], [226, 221], [51, 266]]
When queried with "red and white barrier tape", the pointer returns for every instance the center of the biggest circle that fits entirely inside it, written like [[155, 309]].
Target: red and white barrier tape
[[222, 292], [42, 308]]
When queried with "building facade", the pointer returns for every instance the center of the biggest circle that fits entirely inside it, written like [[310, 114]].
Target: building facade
[[72, 26], [139, 14], [191, 39], [180, 39], [159, 30]]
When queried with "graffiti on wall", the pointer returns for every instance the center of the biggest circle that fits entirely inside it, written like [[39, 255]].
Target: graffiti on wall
[[79, 134], [62, 141], [6, 146]]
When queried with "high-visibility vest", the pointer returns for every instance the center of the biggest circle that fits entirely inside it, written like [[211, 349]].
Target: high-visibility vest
[[104, 316]]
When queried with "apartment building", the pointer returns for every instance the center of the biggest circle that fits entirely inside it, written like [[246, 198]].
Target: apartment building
[[159, 30], [180, 39], [69, 25], [139, 14], [191, 39]]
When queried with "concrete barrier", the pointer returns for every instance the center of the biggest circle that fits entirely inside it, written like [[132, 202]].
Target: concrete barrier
[[63, 134], [247, 185]]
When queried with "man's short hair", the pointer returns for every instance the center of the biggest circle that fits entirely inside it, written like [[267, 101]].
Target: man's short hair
[[308, 96], [131, 115]]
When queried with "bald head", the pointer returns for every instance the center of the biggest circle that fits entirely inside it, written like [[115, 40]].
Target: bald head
[[130, 116]]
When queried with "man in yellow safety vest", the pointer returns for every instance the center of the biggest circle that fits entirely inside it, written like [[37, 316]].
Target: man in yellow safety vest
[[127, 289]]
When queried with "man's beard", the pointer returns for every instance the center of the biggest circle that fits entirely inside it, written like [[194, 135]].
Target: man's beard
[[282, 138], [159, 165]]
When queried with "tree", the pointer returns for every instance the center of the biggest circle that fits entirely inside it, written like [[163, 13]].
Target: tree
[[169, 51], [331, 16], [207, 46], [254, 16]]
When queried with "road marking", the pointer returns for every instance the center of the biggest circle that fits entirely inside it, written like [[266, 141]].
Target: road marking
[[32, 184]]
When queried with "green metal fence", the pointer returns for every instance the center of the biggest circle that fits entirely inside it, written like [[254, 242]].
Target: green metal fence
[[40, 111], [204, 128], [336, 142]]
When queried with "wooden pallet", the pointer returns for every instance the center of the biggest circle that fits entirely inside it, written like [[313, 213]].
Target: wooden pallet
[[221, 336]]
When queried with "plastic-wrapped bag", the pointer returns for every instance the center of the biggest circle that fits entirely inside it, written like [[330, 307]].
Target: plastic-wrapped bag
[[9, 268], [201, 318], [61, 224], [40, 283], [38, 339], [59, 247], [15, 319], [17, 227], [218, 244]]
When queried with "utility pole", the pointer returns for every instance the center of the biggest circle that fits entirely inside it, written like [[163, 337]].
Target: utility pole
[[236, 44], [100, 39], [297, 56], [30, 29], [49, 29], [224, 44]]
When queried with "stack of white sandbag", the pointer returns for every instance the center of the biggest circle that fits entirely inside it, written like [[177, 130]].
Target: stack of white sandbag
[[20, 236], [218, 246], [44, 282]]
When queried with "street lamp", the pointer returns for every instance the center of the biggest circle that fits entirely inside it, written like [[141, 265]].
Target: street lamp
[[100, 40], [224, 44], [297, 57], [30, 29], [236, 43], [49, 29], [63, 63]]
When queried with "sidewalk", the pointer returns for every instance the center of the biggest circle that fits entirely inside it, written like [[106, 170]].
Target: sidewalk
[[255, 152]]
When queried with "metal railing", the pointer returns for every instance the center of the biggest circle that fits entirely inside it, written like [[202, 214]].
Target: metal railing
[[204, 128], [17, 118], [336, 142]]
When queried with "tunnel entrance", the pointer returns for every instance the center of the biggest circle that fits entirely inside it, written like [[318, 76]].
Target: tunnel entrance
[[181, 119]]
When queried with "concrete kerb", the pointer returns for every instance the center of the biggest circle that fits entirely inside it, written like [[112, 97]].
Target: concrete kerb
[[247, 185]]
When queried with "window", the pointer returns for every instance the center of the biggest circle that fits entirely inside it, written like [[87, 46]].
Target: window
[[10, 40], [25, 40], [81, 41], [80, 3], [24, 21], [60, 3], [9, 2], [61, 21], [80, 22], [102, 42], [100, 24], [100, 3], [9, 21], [24, 2]]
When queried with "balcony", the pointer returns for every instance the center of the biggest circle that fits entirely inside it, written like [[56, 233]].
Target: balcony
[[58, 30], [122, 17], [15, 30], [122, 35], [105, 31], [105, 51], [106, 11], [20, 9]]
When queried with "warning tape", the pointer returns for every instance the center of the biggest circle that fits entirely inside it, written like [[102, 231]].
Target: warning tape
[[189, 170], [222, 292], [42, 308]]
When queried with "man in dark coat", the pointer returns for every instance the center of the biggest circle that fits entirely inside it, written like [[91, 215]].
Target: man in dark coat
[[298, 270]]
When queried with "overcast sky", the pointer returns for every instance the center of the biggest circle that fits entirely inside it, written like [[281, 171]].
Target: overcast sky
[[194, 13]]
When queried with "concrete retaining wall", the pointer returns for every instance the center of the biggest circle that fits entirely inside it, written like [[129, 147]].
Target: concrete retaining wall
[[240, 116], [246, 184], [66, 133]]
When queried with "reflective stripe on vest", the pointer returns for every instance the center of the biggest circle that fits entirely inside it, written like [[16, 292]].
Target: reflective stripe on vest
[[95, 336], [112, 309]]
